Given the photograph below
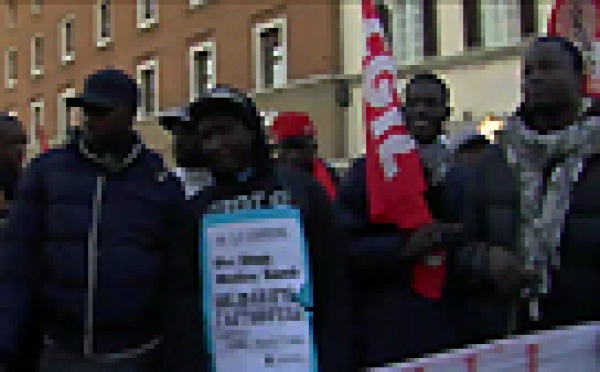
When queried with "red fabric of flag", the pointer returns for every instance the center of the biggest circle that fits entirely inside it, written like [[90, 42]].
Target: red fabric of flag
[[42, 138], [395, 181], [579, 21]]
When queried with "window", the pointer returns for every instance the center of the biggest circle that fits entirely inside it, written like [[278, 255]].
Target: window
[[36, 6], [147, 77], [64, 113], [10, 65], [11, 13], [385, 16], [103, 23], [202, 68], [498, 23], [37, 55], [271, 54], [37, 122], [67, 42], [196, 3], [416, 33], [501, 24], [147, 13]]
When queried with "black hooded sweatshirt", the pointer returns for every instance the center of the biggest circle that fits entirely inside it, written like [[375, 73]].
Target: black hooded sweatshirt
[[185, 345]]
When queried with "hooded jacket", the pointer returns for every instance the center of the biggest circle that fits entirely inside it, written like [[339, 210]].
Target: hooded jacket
[[185, 343], [85, 242]]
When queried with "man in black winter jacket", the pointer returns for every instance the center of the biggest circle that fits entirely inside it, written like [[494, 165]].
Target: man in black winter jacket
[[397, 315], [86, 240], [534, 203], [233, 141]]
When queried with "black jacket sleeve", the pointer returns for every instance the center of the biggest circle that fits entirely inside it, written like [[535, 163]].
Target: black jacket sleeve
[[20, 267], [183, 338], [331, 286], [370, 246]]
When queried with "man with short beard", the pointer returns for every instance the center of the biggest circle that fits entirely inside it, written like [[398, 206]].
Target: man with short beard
[[402, 281], [86, 240], [534, 205]]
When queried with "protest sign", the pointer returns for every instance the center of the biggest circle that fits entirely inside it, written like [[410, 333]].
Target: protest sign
[[257, 292]]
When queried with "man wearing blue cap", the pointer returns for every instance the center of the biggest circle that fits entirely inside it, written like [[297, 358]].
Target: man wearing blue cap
[[86, 240]]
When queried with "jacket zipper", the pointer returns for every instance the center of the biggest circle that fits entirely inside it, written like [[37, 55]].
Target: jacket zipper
[[92, 261]]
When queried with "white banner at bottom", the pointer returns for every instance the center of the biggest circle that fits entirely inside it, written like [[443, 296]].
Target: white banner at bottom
[[572, 349]]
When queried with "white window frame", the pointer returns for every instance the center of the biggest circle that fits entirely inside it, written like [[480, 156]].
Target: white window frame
[[193, 4], [204, 46], [259, 29], [408, 31], [36, 6], [501, 23], [62, 112], [103, 41], [65, 55], [148, 64], [37, 71], [10, 82], [144, 23], [37, 103], [11, 13]]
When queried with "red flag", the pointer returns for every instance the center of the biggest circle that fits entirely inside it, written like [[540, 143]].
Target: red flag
[[41, 136], [577, 20], [394, 174], [395, 182]]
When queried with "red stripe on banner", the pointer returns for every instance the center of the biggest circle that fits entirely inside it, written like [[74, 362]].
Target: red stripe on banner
[[533, 356], [471, 362]]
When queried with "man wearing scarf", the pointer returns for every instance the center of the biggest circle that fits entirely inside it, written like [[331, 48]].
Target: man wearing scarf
[[295, 137], [534, 208], [401, 280]]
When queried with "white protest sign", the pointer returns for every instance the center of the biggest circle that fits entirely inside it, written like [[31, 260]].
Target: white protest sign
[[255, 269]]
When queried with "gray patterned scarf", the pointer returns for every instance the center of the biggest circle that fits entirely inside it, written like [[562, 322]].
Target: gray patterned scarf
[[543, 212], [437, 157]]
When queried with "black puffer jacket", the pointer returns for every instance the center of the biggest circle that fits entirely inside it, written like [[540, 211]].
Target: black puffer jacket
[[492, 215]]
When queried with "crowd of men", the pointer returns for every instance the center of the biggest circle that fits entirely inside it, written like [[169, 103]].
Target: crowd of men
[[99, 258]]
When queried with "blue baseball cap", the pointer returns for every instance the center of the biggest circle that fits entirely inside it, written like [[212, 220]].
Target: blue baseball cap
[[108, 88]]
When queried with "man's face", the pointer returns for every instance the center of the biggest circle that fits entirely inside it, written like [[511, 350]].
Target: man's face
[[227, 143], [298, 152], [549, 80], [13, 143], [425, 110], [187, 146], [108, 128]]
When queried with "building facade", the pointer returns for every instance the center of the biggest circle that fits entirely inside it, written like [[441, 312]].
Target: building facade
[[475, 45], [281, 51]]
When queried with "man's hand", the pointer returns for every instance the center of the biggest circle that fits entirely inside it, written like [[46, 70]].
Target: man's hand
[[429, 237], [506, 272]]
